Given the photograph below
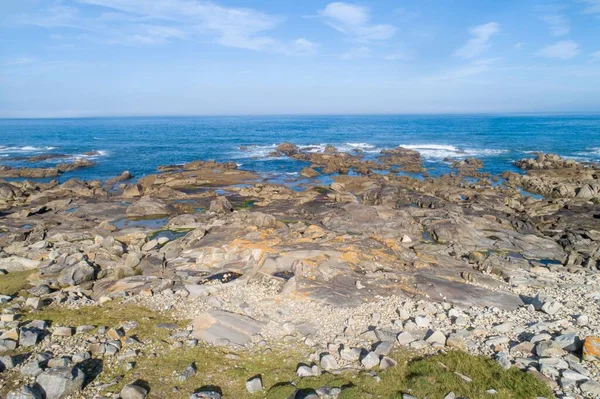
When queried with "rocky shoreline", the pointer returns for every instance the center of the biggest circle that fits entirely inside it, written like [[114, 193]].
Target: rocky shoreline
[[351, 272]]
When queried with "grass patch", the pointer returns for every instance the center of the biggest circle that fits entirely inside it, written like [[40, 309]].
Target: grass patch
[[12, 283], [229, 370], [111, 314]]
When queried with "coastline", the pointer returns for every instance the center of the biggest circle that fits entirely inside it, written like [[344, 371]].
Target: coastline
[[362, 260]]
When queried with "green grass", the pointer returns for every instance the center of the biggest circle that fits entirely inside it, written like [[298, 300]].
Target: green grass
[[12, 283], [229, 370]]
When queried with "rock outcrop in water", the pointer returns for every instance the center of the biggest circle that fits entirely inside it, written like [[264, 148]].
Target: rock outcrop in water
[[369, 261]]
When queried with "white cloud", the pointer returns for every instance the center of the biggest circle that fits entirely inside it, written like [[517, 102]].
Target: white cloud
[[563, 50], [303, 46], [596, 55], [593, 6], [161, 21], [355, 20], [464, 72], [19, 61], [359, 52], [519, 45], [559, 25], [479, 42]]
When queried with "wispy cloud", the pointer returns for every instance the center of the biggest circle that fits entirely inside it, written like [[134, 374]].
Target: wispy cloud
[[558, 23], [19, 61], [479, 42], [596, 55], [132, 22], [563, 50], [463, 72], [593, 6], [355, 20]]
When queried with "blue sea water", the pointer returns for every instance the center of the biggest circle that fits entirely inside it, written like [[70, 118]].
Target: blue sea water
[[141, 144]]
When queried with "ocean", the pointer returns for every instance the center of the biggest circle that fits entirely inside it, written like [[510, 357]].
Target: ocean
[[141, 144]]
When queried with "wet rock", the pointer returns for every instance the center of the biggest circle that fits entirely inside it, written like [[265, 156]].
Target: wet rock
[[147, 207]]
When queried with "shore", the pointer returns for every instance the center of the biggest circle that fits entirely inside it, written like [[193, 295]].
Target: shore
[[341, 284]]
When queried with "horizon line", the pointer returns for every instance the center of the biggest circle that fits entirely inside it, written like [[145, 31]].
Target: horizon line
[[242, 115]]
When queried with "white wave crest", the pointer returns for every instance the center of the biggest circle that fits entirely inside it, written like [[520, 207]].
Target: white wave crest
[[441, 151], [27, 148]]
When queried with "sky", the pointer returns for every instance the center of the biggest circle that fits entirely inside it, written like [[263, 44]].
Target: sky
[[77, 58]]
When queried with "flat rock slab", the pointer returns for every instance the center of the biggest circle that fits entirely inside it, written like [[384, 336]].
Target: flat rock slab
[[463, 294], [218, 327]]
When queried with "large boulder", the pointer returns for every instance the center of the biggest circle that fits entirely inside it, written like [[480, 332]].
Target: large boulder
[[149, 207], [76, 274], [221, 205], [60, 382], [288, 149]]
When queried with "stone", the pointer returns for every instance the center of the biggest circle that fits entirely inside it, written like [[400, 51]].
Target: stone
[[405, 338], [306, 371], [206, 395], [328, 362], [591, 349], [422, 321], [591, 388], [220, 205], [551, 307], [29, 336], [350, 354], [131, 391], [383, 348], [387, 363], [34, 303], [436, 338], [503, 360], [25, 392], [370, 360], [254, 384], [188, 372], [450, 395], [62, 332], [76, 274], [217, 326], [572, 375], [60, 382]]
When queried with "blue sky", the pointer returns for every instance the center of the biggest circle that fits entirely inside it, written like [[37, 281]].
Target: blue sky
[[193, 57]]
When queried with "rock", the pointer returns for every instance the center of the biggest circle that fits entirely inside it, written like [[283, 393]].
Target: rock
[[591, 388], [422, 321], [254, 384], [591, 349], [503, 360], [350, 354], [29, 336], [572, 375], [221, 205], [218, 326], [405, 338], [305, 371], [147, 206], [370, 360], [60, 382], [206, 395], [309, 172], [551, 307], [131, 391], [25, 392], [436, 338], [188, 372], [288, 149], [62, 332], [387, 363], [383, 348], [34, 303], [569, 342], [77, 274], [328, 362]]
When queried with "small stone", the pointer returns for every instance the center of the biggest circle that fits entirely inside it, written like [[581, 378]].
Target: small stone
[[350, 354], [463, 377], [188, 372], [131, 391], [591, 388], [370, 360], [328, 362], [436, 337], [62, 332], [450, 395], [254, 384], [60, 382], [591, 349], [34, 303], [422, 321], [569, 342], [387, 363], [405, 338], [25, 392], [551, 307], [383, 348]]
